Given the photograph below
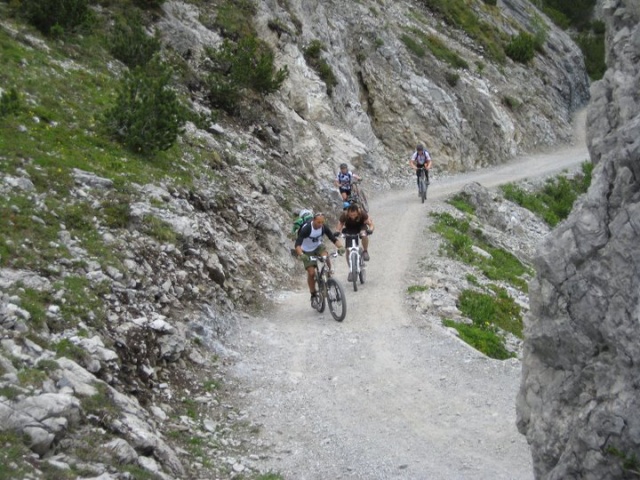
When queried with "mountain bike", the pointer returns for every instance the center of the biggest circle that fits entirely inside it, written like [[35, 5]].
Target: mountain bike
[[423, 183], [358, 196], [329, 291], [356, 261]]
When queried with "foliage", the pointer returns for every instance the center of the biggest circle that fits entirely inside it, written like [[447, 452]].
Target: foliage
[[459, 241], [130, 43], [234, 19], [498, 309], [590, 34], [247, 64], [413, 46], [147, 116], [10, 102], [47, 14], [592, 45], [461, 202], [313, 56], [521, 48], [417, 288], [555, 200], [457, 13], [577, 12], [452, 78], [511, 102], [629, 461], [481, 337], [444, 53]]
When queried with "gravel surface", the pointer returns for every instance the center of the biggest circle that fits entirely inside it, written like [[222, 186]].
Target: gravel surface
[[389, 393]]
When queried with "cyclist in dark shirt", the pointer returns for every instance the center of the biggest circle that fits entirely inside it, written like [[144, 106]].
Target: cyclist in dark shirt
[[353, 221]]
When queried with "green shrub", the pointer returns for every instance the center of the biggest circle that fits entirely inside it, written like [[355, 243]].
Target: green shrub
[[442, 52], [554, 201], [147, 116], [521, 48], [511, 102], [247, 64], [452, 78], [47, 14], [593, 49], [235, 19], [313, 56], [10, 102], [413, 46], [130, 43]]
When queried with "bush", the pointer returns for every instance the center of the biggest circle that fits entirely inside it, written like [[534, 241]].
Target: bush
[[130, 43], [313, 56], [521, 48], [9, 103], [554, 201], [47, 14], [249, 64], [147, 116]]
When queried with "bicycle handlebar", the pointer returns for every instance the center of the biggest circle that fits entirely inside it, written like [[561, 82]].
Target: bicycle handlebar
[[322, 258]]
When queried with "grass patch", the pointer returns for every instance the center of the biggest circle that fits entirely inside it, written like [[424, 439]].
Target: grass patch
[[554, 201], [461, 202], [484, 339], [490, 314], [496, 308], [12, 455], [456, 13], [417, 288], [460, 238]]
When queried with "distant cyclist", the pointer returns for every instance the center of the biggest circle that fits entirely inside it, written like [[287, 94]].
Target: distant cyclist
[[309, 242], [421, 160], [355, 221], [343, 181]]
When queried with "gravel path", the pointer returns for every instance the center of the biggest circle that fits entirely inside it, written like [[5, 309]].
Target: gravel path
[[385, 395]]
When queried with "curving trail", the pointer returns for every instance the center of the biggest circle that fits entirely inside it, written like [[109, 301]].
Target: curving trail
[[381, 395]]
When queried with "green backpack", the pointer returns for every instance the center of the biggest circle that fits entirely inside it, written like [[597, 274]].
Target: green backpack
[[304, 217]]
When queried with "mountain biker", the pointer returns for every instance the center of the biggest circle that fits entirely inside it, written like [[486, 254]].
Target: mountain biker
[[355, 221], [343, 181], [421, 160], [309, 242]]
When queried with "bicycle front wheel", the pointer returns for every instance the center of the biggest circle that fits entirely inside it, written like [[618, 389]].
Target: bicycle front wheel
[[337, 300], [353, 261], [322, 301]]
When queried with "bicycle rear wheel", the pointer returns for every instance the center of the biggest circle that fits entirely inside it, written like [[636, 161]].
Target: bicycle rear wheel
[[337, 300]]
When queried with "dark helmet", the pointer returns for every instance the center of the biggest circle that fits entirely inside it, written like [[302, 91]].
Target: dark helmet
[[419, 147], [343, 165]]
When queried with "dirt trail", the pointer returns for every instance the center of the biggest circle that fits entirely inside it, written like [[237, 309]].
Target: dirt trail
[[381, 395]]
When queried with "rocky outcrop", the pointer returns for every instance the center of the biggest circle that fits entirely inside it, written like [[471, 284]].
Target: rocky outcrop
[[578, 403]]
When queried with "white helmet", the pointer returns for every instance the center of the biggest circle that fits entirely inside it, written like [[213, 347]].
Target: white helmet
[[305, 213]]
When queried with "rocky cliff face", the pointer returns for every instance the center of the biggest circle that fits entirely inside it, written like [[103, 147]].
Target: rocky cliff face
[[135, 364], [388, 98], [579, 403]]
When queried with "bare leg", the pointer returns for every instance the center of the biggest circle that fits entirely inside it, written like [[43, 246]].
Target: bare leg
[[311, 279]]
